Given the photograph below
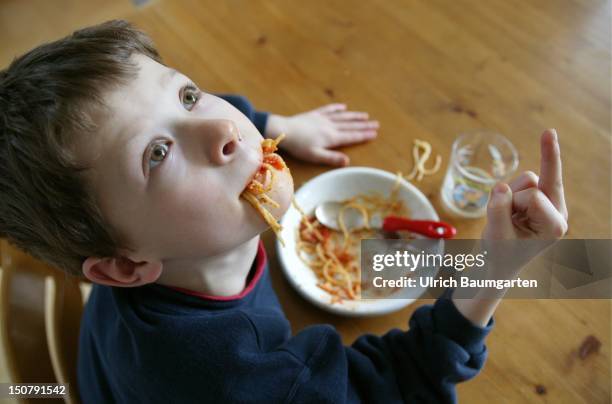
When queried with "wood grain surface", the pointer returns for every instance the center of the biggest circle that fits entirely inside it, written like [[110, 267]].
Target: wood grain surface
[[428, 70]]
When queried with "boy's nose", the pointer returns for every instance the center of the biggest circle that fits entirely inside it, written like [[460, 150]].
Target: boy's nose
[[223, 137]]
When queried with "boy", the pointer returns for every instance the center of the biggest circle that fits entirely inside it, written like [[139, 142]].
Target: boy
[[119, 168]]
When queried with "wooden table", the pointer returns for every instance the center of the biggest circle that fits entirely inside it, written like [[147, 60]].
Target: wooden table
[[426, 70]]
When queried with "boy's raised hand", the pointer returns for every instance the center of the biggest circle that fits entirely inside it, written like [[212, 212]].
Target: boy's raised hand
[[530, 207], [311, 135]]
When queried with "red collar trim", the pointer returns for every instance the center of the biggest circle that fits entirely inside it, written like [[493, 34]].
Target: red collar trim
[[260, 263]]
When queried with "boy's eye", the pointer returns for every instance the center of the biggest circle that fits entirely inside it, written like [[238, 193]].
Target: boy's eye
[[158, 154], [189, 97]]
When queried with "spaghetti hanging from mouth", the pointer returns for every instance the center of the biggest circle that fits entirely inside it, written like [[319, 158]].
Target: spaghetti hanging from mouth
[[256, 191]]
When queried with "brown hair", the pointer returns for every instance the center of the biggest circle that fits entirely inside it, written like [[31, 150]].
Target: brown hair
[[48, 97]]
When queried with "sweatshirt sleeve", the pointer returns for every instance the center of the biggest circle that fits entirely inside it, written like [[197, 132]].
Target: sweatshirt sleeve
[[259, 118], [421, 365]]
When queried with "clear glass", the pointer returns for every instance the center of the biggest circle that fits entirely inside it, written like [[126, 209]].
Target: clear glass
[[478, 161]]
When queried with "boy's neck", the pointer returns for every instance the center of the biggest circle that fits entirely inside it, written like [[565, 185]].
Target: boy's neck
[[221, 275]]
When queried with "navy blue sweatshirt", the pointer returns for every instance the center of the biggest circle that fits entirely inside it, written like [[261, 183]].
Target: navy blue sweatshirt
[[155, 344]]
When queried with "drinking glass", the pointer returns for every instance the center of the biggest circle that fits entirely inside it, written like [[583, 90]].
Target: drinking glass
[[478, 161]]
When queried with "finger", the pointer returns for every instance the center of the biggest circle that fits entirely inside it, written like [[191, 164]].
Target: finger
[[349, 116], [329, 108], [551, 181], [351, 137], [357, 125], [499, 212], [326, 156], [541, 215], [528, 179]]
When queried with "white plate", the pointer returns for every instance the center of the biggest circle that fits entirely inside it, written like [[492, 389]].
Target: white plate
[[337, 185]]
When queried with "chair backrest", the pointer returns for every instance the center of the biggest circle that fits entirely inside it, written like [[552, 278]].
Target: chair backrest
[[40, 312]]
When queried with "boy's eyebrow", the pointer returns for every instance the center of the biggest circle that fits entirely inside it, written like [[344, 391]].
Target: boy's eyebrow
[[167, 77]]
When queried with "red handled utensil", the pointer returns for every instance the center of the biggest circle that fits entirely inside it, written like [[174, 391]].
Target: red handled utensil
[[327, 214], [429, 228]]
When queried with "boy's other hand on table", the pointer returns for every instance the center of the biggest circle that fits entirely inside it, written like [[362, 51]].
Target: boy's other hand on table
[[312, 135]]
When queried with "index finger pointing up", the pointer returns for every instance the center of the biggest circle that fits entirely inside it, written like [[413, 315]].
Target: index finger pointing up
[[551, 177]]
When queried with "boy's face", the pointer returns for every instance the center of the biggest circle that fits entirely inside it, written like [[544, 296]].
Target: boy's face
[[169, 164]]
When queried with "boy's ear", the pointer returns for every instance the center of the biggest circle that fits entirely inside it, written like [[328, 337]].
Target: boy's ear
[[121, 271]]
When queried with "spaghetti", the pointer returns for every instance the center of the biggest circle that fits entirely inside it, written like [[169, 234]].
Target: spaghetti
[[334, 255], [263, 181], [419, 170]]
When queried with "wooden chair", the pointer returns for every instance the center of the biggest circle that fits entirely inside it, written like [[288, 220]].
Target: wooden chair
[[40, 312]]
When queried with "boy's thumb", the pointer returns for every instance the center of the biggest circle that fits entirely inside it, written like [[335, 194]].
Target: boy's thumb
[[499, 212], [331, 157]]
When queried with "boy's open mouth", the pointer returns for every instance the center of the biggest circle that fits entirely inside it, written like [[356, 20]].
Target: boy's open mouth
[[254, 176], [261, 181], [257, 190]]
